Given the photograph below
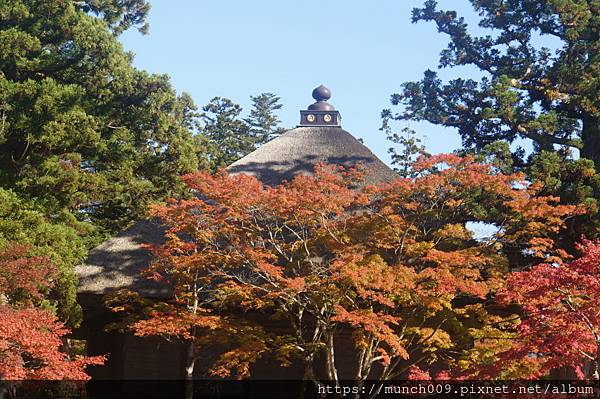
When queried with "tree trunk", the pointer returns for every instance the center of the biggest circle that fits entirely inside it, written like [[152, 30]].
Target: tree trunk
[[190, 358], [309, 377], [596, 364], [190, 361], [590, 137], [330, 358]]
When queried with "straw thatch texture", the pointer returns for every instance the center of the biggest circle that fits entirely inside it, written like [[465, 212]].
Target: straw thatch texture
[[117, 262], [298, 150]]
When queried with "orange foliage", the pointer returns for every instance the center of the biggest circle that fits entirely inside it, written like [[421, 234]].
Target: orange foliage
[[392, 263], [30, 337]]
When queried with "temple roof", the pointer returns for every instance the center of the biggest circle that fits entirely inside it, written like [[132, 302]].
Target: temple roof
[[117, 262], [298, 150]]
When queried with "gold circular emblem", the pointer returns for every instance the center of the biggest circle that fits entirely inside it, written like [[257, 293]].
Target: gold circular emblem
[[310, 117], [327, 118]]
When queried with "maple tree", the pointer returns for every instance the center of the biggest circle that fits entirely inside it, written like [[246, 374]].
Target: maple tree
[[561, 317], [393, 267], [31, 336], [59, 237]]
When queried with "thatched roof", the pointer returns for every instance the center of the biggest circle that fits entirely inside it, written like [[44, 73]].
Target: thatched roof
[[117, 262], [298, 150]]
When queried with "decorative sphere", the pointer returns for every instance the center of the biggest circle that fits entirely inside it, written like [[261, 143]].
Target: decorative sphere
[[321, 106], [321, 93]]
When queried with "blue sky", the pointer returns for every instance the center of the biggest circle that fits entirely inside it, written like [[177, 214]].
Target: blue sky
[[361, 50]]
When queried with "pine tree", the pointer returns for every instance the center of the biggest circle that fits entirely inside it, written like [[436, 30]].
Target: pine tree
[[263, 122], [410, 146], [229, 137], [81, 129], [527, 90], [118, 14], [86, 139]]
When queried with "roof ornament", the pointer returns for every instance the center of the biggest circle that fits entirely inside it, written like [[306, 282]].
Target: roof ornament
[[321, 94], [321, 113]]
